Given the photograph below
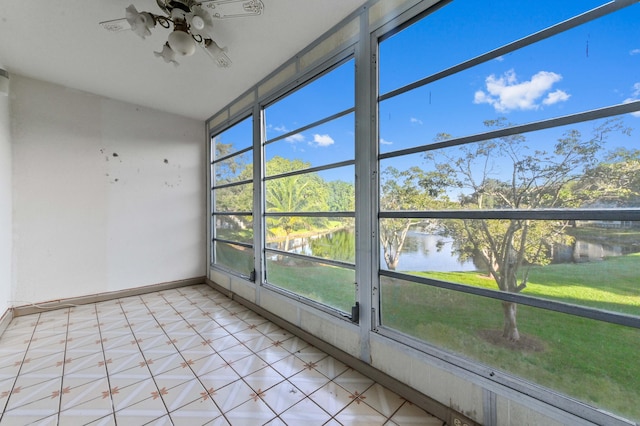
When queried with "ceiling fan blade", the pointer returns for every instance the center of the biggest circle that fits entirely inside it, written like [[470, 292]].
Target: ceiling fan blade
[[115, 25], [233, 8], [216, 53]]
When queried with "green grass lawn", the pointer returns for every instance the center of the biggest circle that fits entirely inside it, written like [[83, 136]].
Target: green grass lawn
[[589, 360]]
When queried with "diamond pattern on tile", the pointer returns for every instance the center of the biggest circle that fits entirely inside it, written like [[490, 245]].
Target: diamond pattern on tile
[[252, 412], [307, 413], [331, 397], [184, 356]]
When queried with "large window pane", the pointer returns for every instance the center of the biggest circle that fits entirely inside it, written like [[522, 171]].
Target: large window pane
[[330, 285], [328, 143], [589, 360], [464, 29], [234, 169], [232, 181], [582, 165], [233, 139], [330, 94], [235, 257], [588, 263], [237, 198], [325, 191], [235, 228]]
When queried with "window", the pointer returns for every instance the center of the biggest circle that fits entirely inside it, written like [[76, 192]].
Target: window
[[309, 195], [509, 192], [232, 198], [499, 197]]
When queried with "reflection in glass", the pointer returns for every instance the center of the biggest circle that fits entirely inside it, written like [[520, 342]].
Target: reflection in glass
[[234, 257], [589, 263], [589, 360], [329, 94], [326, 284], [234, 228]]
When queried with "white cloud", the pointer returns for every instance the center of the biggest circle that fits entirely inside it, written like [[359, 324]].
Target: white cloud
[[634, 52], [298, 137], [555, 97], [499, 58], [322, 140], [635, 96], [385, 142], [416, 120], [282, 129], [506, 93]]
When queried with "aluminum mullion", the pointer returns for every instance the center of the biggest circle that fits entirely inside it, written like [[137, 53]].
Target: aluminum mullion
[[311, 126], [312, 170], [230, 184], [233, 154], [630, 214], [310, 214], [235, 243], [580, 117], [232, 213], [558, 28]]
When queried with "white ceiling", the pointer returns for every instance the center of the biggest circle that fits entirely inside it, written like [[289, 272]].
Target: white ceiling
[[60, 41]]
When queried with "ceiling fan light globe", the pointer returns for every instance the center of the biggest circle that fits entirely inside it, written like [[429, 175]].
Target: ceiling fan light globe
[[197, 22], [182, 43]]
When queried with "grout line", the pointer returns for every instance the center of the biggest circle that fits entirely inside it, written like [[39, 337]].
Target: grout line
[[6, 404], [104, 358]]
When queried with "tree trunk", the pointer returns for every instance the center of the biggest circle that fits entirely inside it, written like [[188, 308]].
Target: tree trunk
[[510, 331]]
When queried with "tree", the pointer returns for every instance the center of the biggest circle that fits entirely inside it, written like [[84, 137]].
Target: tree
[[403, 190], [505, 174], [614, 182], [292, 194]]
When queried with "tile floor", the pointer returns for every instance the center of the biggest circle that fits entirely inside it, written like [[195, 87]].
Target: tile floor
[[189, 356]]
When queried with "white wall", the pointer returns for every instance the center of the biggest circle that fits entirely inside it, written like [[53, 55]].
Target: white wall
[[5, 205], [107, 195]]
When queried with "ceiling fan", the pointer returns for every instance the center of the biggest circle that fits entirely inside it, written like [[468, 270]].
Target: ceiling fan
[[192, 23]]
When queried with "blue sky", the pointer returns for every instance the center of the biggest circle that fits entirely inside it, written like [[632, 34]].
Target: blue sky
[[594, 65]]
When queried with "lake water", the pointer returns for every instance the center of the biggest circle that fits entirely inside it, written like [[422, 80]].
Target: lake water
[[428, 252]]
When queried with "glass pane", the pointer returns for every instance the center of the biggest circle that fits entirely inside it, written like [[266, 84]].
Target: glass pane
[[588, 263], [329, 190], [582, 165], [237, 168], [238, 198], [464, 29], [336, 244], [234, 228], [233, 139], [555, 77], [328, 143], [326, 284], [330, 94], [234, 257], [589, 360]]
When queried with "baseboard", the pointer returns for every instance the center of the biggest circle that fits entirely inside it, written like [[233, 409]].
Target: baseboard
[[103, 297], [6, 319], [417, 398]]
